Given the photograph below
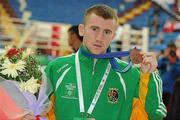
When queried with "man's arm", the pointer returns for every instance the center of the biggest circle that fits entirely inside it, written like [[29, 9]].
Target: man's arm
[[148, 103], [152, 98], [150, 87]]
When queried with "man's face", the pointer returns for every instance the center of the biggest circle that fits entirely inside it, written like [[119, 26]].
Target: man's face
[[98, 33]]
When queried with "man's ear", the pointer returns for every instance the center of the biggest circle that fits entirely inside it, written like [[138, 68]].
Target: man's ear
[[81, 29]]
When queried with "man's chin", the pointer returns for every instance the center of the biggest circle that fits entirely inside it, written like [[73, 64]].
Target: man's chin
[[96, 52]]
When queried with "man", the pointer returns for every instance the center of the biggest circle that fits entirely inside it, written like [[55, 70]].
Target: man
[[74, 39], [87, 88]]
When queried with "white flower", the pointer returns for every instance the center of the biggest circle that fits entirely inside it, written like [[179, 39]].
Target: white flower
[[27, 52], [31, 85], [3, 54], [10, 69]]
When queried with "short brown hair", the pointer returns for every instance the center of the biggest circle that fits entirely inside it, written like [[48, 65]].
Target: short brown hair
[[101, 10]]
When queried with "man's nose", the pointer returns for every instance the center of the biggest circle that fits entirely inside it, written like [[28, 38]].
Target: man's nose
[[100, 36]]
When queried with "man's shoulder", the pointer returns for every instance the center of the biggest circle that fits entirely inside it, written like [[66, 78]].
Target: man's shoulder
[[163, 59], [63, 60], [178, 60]]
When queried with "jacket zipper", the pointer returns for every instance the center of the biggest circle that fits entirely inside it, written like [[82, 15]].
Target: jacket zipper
[[94, 64], [92, 78]]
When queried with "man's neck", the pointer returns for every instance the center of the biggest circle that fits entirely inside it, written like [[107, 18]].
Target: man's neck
[[90, 50]]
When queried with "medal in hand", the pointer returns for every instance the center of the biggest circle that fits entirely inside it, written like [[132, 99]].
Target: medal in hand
[[135, 56]]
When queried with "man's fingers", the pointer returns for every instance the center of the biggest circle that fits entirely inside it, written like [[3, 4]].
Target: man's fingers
[[148, 54], [149, 63]]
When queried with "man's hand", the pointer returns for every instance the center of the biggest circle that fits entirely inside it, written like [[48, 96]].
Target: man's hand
[[28, 117], [149, 63]]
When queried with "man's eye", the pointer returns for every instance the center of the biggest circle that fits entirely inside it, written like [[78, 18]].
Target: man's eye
[[107, 32], [94, 29]]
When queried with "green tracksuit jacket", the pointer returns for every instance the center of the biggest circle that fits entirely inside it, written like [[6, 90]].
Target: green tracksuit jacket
[[116, 98]]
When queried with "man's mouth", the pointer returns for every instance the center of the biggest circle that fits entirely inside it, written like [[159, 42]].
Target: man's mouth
[[97, 45]]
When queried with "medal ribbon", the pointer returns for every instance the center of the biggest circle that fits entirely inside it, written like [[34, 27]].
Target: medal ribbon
[[111, 56], [80, 92]]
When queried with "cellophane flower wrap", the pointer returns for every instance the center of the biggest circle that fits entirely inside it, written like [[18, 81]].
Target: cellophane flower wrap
[[23, 85]]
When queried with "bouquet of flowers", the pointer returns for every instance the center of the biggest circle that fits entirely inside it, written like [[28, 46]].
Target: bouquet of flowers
[[23, 85]]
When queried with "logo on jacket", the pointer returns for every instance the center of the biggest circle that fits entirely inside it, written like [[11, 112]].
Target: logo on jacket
[[113, 95], [70, 91]]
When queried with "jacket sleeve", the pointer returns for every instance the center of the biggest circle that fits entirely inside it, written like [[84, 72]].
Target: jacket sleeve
[[49, 71], [50, 115], [150, 95]]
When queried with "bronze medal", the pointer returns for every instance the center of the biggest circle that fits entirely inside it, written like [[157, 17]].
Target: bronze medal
[[135, 56]]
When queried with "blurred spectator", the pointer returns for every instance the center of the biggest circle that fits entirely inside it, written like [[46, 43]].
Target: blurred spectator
[[178, 52], [154, 21], [161, 54], [169, 71], [74, 39], [176, 7], [177, 42], [174, 105]]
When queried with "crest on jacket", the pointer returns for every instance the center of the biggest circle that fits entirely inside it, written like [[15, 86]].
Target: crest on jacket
[[112, 95]]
